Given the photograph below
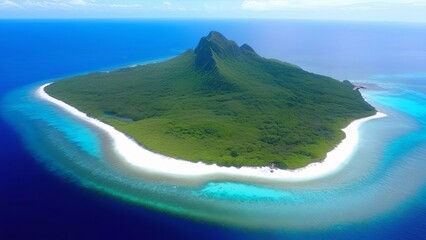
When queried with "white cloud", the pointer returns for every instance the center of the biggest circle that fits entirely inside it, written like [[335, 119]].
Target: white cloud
[[78, 2], [117, 5], [9, 4], [65, 4], [168, 6], [270, 5], [45, 4]]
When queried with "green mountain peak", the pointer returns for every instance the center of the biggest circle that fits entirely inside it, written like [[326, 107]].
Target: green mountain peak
[[214, 47]]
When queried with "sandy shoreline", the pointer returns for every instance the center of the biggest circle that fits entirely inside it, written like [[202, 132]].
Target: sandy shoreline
[[144, 159]]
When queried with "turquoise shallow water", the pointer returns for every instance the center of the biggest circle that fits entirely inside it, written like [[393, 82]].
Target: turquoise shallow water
[[380, 194], [388, 164]]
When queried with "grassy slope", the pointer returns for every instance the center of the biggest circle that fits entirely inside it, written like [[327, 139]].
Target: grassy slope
[[247, 111]]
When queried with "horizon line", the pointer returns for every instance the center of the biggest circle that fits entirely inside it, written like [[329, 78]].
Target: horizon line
[[212, 18]]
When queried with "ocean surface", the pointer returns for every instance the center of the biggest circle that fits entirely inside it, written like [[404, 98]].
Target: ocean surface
[[59, 180]]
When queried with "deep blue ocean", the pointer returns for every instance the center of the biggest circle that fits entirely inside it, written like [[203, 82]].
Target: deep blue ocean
[[45, 196]]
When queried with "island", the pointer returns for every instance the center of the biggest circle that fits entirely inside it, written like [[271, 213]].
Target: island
[[221, 103]]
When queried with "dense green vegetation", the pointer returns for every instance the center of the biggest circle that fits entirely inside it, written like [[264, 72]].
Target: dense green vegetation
[[222, 104]]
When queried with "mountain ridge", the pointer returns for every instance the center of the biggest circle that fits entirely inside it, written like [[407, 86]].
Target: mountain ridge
[[214, 46]]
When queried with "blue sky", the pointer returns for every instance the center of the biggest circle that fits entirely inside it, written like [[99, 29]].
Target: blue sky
[[364, 10]]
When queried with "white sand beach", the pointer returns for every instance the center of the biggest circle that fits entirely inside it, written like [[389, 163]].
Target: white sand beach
[[157, 163]]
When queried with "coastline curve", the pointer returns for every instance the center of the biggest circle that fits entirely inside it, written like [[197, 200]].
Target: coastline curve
[[141, 158]]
